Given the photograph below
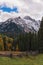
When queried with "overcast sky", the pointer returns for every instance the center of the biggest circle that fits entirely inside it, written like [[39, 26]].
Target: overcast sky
[[12, 8]]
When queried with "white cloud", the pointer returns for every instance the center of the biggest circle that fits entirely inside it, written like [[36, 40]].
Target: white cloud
[[34, 8], [37, 1]]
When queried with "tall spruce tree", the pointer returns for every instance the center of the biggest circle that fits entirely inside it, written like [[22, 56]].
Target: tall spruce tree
[[4, 41], [40, 36], [34, 42]]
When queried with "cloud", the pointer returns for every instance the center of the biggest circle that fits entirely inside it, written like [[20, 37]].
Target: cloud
[[33, 8]]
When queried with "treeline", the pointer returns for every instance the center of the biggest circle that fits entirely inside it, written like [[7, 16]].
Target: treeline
[[24, 42]]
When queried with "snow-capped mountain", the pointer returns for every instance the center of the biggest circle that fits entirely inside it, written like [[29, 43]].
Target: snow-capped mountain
[[18, 24], [32, 23]]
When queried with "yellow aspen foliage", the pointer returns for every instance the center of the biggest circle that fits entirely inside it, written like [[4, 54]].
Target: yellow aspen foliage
[[1, 42], [8, 42]]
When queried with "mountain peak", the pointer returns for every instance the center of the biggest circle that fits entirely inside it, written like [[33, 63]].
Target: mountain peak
[[27, 17], [19, 17], [24, 24]]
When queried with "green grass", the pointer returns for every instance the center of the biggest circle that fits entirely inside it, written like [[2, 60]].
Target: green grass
[[31, 60]]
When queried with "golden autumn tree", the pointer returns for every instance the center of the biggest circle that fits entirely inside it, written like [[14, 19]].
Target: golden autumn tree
[[1, 43]]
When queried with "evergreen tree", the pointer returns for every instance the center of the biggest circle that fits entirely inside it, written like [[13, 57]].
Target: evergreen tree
[[40, 37], [4, 41], [34, 42]]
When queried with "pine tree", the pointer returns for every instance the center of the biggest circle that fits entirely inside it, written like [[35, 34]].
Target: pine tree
[[40, 36], [34, 42], [4, 41]]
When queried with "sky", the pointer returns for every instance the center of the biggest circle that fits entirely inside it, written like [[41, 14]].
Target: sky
[[14, 8]]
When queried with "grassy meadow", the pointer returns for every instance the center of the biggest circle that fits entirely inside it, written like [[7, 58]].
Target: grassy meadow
[[31, 60]]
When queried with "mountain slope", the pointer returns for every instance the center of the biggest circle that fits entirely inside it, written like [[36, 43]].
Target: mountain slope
[[19, 25], [10, 28]]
